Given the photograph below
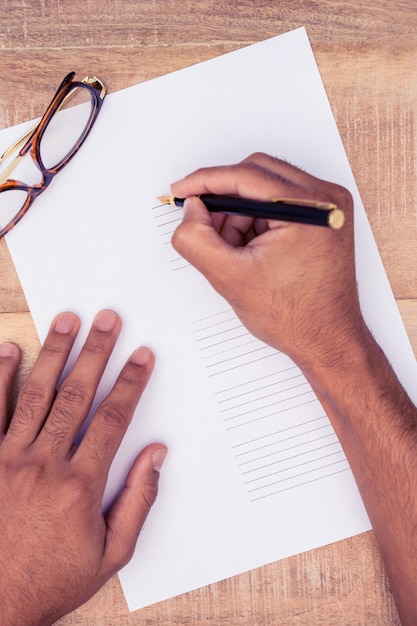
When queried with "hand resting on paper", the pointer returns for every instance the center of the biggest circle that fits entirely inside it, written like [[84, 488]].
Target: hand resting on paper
[[56, 547], [294, 287]]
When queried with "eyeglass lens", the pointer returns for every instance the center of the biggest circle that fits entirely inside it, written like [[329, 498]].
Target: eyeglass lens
[[60, 139], [66, 127], [11, 202]]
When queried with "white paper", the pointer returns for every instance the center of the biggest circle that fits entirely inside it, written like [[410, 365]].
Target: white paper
[[254, 472]]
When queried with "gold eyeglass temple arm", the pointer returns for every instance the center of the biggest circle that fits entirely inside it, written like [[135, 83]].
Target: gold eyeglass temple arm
[[19, 142], [15, 146]]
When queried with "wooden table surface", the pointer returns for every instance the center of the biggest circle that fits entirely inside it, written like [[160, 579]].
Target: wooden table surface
[[367, 55]]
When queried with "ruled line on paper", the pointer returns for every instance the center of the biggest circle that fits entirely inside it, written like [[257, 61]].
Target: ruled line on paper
[[273, 460], [167, 218], [275, 446], [285, 440], [300, 484]]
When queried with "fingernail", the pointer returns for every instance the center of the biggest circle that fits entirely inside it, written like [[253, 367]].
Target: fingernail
[[141, 356], [65, 323], [158, 458], [105, 321], [7, 349]]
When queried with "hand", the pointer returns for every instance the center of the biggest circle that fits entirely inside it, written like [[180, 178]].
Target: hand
[[56, 547], [292, 285]]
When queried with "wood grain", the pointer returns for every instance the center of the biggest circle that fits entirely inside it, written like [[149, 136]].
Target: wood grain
[[367, 55]]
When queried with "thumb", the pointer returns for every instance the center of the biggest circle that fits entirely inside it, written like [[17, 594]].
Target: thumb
[[197, 240], [127, 515]]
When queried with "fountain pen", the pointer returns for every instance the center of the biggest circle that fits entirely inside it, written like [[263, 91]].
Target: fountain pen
[[285, 209]]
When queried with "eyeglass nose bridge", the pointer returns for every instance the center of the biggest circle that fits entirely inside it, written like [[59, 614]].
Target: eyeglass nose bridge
[[32, 192]]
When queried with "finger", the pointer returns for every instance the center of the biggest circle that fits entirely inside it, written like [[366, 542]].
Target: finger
[[76, 393], [259, 177], [9, 361], [244, 179], [234, 229], [114, 415], [38, 392], [197, 241], [238, 230], [127, 515]]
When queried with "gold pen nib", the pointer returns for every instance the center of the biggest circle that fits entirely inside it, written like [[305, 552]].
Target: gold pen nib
[[166, 200]]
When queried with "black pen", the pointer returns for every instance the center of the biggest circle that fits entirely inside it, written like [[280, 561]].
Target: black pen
[[285, 209]]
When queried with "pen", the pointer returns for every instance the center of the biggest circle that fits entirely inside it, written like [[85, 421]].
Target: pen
[[286, 209]]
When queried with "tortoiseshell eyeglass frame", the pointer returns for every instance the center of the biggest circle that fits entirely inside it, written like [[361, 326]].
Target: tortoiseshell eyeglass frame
[[33, 139]]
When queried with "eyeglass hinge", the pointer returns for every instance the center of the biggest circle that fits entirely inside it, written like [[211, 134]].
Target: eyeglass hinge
[[95, 82]]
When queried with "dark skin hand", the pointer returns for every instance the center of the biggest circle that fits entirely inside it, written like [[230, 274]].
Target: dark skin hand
[[57, 547]]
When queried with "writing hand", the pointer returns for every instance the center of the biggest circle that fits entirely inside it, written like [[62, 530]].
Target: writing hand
[[56, 546], [292, 285]]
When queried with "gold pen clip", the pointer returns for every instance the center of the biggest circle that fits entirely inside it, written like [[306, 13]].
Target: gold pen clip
[[314, 204]]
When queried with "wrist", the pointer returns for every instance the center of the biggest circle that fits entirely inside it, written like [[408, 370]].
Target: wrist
[[19, 605], [360, 391], [13, 613], [345, 358]]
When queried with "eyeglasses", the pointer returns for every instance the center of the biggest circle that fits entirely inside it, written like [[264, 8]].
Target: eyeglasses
[[51, 143]]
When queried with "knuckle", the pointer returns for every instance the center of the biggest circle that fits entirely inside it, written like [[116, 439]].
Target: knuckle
[[25, 479], [52, 347], [255, 157], [112, 415], [262, 162], [56, 436], [76, 487], [123, 559], [200, 173], [122, 554], [74, 392], [131, 377], [149, 494], [32, 397], [343, 196], [33, 394], [94, 346]]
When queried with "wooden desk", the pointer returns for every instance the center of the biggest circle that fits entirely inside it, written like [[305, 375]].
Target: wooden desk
[[367, 54]]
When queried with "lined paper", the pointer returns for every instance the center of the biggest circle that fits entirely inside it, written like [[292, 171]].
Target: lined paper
[[304, 448], [254, 472]]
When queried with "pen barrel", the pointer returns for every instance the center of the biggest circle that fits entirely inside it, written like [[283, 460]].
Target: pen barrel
[[271, 210]]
